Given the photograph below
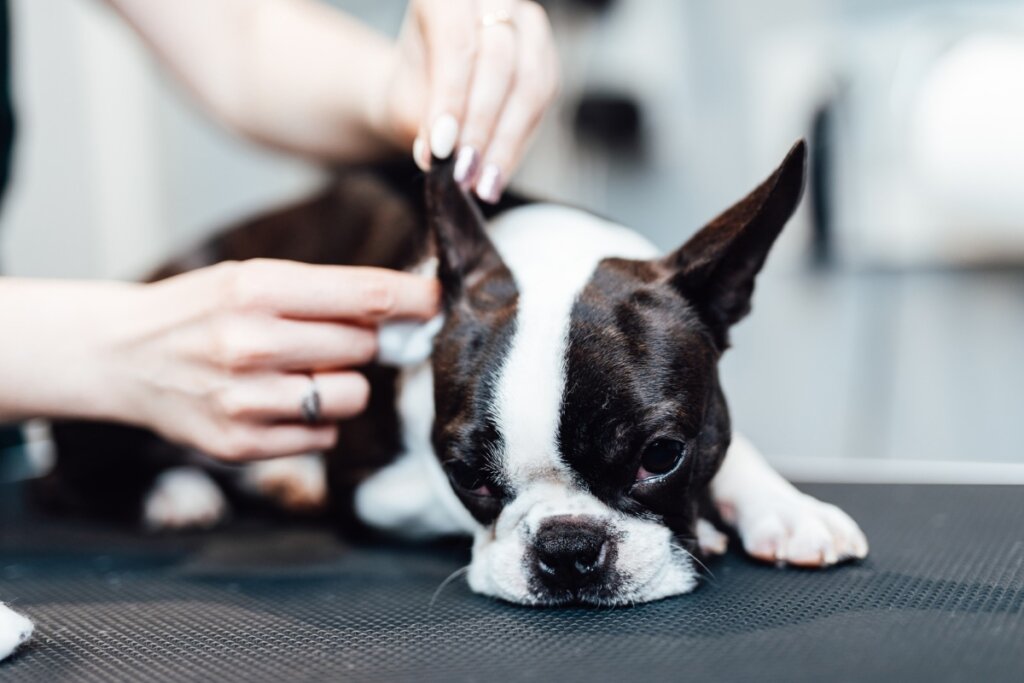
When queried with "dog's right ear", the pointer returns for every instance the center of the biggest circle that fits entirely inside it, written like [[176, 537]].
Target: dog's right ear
[[468, 263]]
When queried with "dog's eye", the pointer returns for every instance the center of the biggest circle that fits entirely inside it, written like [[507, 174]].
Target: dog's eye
[[660, 457], [468, 479]]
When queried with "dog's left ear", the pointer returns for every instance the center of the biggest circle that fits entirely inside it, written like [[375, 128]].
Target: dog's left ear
[[715, 269], [465, 254]]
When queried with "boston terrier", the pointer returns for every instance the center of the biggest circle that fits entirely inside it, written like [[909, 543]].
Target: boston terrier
[[565, 409]]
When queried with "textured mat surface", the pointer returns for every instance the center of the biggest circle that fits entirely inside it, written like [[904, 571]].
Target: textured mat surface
[[941, 598]]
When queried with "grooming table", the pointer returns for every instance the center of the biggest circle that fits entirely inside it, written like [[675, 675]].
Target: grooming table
[[941, 598]]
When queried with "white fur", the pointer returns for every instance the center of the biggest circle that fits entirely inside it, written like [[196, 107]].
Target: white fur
[[184, 497], [776, 522], [297, 481], [711, 540], [14, 630], [405, 343], [552, 252], [412, 497], [650, 565]]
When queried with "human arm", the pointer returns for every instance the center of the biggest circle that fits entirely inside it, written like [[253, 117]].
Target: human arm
[[217, 358], [303, 77]]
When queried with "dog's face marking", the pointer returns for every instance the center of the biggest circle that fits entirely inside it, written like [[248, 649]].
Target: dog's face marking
[[578, 410]]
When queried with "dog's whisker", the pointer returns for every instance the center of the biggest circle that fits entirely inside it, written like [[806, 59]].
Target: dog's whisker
[[458, 573], [680, 548]]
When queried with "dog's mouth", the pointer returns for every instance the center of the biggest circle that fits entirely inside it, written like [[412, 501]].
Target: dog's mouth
[[669, 579]]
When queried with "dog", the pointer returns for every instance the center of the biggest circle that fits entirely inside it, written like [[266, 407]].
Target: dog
[[565, 410]]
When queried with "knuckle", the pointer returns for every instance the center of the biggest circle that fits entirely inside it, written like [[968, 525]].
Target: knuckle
[[327, 438], [231, 404], [235, 285], [463, 47], [241, 283], [365, 346], [377, 297], [453, 89], [358, 394], [534, 94], [533, 14], [499, 51], [237, 349], [543, 85], [236, 445]]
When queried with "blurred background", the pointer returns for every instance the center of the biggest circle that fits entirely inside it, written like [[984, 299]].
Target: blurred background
[[887, 341]]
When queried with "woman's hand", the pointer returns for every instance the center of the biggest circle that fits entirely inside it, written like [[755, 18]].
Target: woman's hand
[[218, 359], [472, 77], [221, 358]]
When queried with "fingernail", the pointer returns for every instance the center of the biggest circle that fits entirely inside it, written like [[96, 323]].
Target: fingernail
[[443, 136], [419, 153], [489, 187], [465, 165]]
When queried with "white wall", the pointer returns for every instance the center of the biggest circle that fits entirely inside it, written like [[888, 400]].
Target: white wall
[[112, 167]]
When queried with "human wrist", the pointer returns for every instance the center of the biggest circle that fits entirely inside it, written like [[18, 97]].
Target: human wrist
[[377, 110]]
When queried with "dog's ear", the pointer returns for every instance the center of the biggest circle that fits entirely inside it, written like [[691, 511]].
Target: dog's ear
[[465, 254], [715, 269]]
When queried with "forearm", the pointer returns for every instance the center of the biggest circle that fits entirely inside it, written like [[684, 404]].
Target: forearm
[[51, 361], [293, 74]]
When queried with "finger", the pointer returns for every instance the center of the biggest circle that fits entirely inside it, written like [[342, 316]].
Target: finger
[[249, 343], [536, 84], [257, 442], [301, 290], [492, 81], [279, 398], [450, 37]]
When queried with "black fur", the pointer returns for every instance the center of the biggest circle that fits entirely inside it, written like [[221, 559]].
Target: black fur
[[644, 343], [480, 298]]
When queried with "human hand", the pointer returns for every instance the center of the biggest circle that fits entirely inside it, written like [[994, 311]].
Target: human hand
[[221, 358], [471, 75]]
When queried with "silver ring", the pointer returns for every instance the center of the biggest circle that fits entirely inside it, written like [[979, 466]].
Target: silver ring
[[310, 405], [497, 18]]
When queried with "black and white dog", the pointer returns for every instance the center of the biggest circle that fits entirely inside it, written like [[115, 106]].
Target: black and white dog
[[569, 417]]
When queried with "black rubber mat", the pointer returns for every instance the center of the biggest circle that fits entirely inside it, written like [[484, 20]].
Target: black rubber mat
[[940, 599]]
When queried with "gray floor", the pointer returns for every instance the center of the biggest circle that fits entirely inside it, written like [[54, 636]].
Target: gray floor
[[256, 602], [920, 366]]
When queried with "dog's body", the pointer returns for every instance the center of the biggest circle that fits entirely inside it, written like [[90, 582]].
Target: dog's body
[[570, 416]]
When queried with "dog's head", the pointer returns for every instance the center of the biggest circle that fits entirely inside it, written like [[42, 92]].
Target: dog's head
[[583, 437]]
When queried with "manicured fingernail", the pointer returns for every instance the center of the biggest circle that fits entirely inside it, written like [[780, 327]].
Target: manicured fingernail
[[489, 187], [443, 136], [466, 163], [419, 153]]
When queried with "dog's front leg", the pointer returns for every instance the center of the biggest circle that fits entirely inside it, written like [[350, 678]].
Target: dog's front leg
[[776, 522]]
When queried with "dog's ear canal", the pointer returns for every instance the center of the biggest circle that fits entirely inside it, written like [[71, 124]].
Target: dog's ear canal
[[465, 253], [715, 269]]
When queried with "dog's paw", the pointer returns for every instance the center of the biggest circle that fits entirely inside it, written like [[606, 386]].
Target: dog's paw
[[797, 529], [711, 540], [14, 630], [297, 483], [184, 498]]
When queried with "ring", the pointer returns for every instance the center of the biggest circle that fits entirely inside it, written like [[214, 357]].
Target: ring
[[310, 405], [497, 18]]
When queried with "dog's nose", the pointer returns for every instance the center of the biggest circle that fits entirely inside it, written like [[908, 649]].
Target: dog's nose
[[571, 552]]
